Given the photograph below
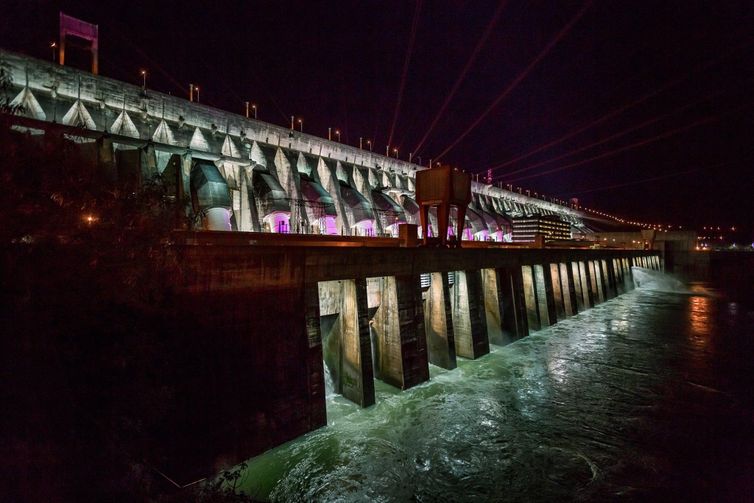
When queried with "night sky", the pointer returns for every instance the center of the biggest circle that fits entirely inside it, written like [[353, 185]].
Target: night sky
[[652, 99]]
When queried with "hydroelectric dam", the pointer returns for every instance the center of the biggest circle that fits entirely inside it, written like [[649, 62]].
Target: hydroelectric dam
[[292, 262]]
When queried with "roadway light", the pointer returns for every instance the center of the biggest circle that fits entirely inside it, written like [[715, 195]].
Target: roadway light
[[254, 109], [301, 124], [53, 46], [369, 144], [143, 74], [395, 151], [337, 133]]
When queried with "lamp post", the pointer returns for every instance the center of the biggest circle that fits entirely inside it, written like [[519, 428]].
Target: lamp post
[[254, 109], [53, 46], [360, 143], [247, 109], [369, 144], [143, 79], [191, 92], [337, 134], [329, 133], [291, 123], [301, 125], [395, 151]]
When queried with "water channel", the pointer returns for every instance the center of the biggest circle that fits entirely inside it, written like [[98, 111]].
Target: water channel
[[647, 396]]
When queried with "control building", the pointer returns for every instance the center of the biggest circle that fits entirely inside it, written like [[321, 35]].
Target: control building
[[550, 226]]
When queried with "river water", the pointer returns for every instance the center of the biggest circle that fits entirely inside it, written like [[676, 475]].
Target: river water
[[649, 396]]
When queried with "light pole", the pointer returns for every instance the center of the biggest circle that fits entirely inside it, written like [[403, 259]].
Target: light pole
[[291, 123], [191, 92], [247, 109], [337, 133], [254, 109], [143, 79], [360, 143], [196, 88], [301, 125], [329, 134], [53, 46], [369, 144], [395, 151]]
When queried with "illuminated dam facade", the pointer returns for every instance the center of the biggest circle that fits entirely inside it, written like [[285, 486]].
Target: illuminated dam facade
[[314, 276], [247, 175]]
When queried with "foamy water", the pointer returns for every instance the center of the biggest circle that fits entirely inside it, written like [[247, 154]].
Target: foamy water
[[643, 396]]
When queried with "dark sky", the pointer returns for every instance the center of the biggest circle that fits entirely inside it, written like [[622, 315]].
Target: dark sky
[[672, 82]]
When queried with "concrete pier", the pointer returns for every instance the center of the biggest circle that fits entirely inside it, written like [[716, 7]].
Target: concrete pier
[[346, 340], [401, 345], [438, 322], [515, 319], [469, 316], [493, 306]]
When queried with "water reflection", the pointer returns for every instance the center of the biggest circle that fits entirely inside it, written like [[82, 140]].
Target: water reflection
[[700, 319], [625, 400]]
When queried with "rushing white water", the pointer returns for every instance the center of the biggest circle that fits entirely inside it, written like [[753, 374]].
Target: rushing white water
[[649, 279], [642, 397]]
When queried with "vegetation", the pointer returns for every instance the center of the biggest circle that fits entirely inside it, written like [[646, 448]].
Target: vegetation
[[87, 330]]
